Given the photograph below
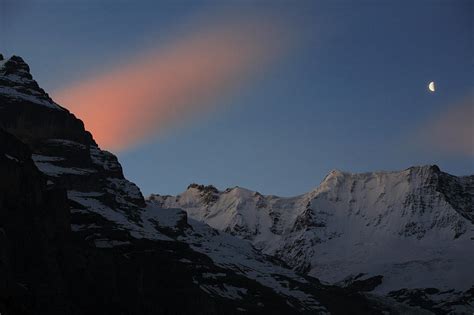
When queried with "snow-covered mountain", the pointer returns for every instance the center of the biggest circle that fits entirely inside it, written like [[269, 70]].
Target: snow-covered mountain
[[76, 237], [413, 227]]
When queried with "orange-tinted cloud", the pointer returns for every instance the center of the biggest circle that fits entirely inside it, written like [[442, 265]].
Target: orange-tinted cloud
[[164, 86], [451, 131]]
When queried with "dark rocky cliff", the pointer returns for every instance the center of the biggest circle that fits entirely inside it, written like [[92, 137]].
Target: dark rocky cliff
[[45, 268], [34, 228]]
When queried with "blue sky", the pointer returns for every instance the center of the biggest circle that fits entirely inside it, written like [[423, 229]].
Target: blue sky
[[352, 95]]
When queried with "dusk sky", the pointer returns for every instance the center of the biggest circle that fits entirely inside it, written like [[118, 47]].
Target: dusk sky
[[268, 95]]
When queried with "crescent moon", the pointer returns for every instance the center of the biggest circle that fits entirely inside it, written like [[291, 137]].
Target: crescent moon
[[431, 86]]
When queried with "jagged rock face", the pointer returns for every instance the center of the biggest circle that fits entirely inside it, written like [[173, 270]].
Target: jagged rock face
[[406, 226], [62, 149], [47, 269], [29, 113], [17, 82]]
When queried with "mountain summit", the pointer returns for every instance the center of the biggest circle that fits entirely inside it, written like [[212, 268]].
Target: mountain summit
[[16, 82], [413, 227]]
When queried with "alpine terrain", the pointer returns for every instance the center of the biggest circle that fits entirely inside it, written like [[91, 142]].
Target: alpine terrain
[[408, 235], [76, 237]]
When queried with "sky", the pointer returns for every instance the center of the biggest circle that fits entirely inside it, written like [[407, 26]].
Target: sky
[[267, 95]]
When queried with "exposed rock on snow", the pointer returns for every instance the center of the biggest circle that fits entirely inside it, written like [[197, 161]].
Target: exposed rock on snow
[[16, 82]]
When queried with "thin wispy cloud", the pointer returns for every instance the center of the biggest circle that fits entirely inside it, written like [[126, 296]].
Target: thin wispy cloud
[[450, 132], [169, 85]]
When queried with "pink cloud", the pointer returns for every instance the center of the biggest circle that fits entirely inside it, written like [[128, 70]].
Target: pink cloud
[[451, 131], [163, 87]]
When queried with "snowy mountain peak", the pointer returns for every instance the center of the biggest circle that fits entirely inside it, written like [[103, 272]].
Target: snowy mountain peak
[[335, 173], [423, 170], [15, 64], [393, 223], [17, 83]]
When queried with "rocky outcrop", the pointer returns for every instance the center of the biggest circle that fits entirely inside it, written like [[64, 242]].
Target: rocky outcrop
[[47, 269], [63, 150], [28, 112]]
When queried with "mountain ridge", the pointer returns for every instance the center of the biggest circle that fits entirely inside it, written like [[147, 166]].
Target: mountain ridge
[[93, 240], [341, 228]]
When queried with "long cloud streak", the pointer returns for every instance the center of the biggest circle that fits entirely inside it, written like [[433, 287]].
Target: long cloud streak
[[131, 103]]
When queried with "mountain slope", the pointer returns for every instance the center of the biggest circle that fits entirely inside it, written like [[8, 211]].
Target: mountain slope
[[413, 227]]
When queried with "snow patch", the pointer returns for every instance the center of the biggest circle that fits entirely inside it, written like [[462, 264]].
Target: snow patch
[[12, 158], [123, 222], [56, 171], [17, 94], [104, 159], [68, 143]]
